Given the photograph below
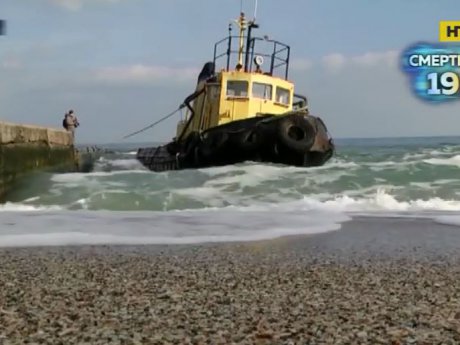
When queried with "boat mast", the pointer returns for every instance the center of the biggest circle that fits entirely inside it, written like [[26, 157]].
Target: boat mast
[[251, 25], [242, 25]]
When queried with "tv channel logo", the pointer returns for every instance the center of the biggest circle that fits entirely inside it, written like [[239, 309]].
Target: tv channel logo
[[434, 71], [434, 68], [449, 31]]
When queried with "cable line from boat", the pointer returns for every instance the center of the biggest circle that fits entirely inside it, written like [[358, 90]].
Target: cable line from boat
[[155, 123]]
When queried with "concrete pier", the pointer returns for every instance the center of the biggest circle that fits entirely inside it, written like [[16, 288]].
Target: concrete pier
[[25, 149]]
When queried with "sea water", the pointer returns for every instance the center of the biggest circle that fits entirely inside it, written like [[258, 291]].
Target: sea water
[[121, 202]]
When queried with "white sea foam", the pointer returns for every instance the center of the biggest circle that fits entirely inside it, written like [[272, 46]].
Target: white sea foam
[[210, 225], [248, 176], [21, 207], [251, 168], [410, 157], [445, 181], [330, 177], [334, 164], [241, 202], [384, 164], [34, 198], [423, 185], [444, 152], [374, 198], [448, 220], [381, 201], [130, 164], [84, 177], [230, 182], [26, 225], [390, 165], [198, 193], [453, 161]]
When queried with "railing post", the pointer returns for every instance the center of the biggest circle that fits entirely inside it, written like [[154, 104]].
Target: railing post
[[287, 61], [229, 48], [272, 62]]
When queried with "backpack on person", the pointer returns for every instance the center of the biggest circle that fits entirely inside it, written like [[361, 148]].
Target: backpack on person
[[64, 122]]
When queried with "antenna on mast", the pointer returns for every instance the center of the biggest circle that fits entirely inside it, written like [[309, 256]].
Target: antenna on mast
[[255, 11]]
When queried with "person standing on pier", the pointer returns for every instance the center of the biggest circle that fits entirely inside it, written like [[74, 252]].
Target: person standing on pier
[[71, 122]]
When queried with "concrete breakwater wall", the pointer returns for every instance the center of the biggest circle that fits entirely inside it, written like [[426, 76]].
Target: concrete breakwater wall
[[24, 149]]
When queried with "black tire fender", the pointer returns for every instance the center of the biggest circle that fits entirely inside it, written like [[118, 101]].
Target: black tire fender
[[296, 133]]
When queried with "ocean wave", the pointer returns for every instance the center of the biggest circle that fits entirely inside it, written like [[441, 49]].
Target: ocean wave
[[452, 161], [382, 201], [356, 178], [79, 177], [210, 225], [24, 207], [114, 165], [448, 220], [209, 198], [21, 225]]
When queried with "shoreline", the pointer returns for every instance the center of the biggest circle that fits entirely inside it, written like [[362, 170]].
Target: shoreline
[[372, 282], [360, 230]]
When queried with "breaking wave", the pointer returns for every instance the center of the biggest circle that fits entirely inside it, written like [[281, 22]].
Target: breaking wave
[[121, 202]]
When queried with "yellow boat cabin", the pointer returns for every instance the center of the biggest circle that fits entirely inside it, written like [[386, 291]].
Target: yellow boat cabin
[[247, 90]]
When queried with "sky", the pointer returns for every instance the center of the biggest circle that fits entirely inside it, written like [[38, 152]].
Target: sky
[[123, 64]]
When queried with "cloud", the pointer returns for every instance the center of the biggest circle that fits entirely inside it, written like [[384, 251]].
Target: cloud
[[335, 62], [75, 5], [144, 74], [389, 58]]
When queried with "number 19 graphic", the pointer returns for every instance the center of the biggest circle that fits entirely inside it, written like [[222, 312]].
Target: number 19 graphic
[[447, 83]]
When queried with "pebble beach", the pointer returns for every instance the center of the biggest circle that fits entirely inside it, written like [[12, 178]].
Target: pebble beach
[[375, 281]]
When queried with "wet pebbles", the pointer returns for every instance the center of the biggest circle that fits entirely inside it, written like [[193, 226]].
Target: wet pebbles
[[278, 292]]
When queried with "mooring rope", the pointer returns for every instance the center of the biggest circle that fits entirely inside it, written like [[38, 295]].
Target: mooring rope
[[153, 124]]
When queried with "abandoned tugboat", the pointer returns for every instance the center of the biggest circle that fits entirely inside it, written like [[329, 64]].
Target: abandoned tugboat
[[245, 113]]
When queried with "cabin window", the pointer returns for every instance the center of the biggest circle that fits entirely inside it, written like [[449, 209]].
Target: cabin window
[[237, 88], [263, 91], [282, 95]]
